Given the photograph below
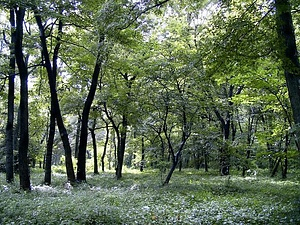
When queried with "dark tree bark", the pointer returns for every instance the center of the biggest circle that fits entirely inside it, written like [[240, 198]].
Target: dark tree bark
[[276, 165], [180, 163], [285, 158], [95, 152], [121, 140], [54, 99], [289, 56], [121, 148], [48, 158], [77, 136], [112, 151], [142, 163], [81, 164], [24, 135], [10, 107], [105, 146], [175, 159], [196, 157], [123, 129], [205, 160], [51, 135]]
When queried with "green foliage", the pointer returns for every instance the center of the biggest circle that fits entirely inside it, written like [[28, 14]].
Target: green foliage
[[193, 198]]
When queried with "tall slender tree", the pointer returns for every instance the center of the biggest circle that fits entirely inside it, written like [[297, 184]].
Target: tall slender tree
[[24, 135], [10, 105], [51, 134], [81, 165], [105, 144], [95, 152], [54, 98]]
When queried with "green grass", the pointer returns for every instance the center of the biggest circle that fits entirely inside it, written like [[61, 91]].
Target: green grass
[[192, 197]]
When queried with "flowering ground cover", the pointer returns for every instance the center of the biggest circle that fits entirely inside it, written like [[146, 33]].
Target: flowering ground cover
[[193, 197]]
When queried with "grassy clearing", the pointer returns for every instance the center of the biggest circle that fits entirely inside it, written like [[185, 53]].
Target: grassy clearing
[[193, 197]]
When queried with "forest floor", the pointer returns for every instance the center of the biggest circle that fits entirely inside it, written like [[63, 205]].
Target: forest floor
[[192, 197]]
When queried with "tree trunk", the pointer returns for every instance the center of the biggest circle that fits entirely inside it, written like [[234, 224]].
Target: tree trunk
[[249, 143], [121, 147], [112, 151], [176, 157], [95, 153], [10, 107], [17, 132], [81, 164], [285, 158], [197, 160], [121, 141], [246, 166], [48, 160], [77, 136], [173, 167], [224, 150], [275, 168], [142, 163], [105, 146], [284, 167], [206, 161], [51, 136], [54, 98], [180, 164], [24, 135], [289, 56]]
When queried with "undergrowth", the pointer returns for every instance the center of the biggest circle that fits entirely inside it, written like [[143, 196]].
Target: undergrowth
[[192, 197]]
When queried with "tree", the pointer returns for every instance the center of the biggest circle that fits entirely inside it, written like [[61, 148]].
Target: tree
[[54, 99], [232, 66], [227, 128], [170, 83], [50, 141], [105, 143], [120, 122], [287, 50], [95, 152], [81, 170], [114, 18], [24, 137], [10, 105]]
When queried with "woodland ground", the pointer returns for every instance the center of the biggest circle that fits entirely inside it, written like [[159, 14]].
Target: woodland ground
[[192, 197]]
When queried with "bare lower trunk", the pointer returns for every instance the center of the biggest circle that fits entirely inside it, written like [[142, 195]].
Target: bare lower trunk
[[275, 168], [95, 152], [10, 105], [77, 136], [105, 147], [48, 158], [142, 163], [172, 169], [24, 135], [121, 148]]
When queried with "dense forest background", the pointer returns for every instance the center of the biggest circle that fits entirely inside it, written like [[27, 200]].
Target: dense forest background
[[98, 85]]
